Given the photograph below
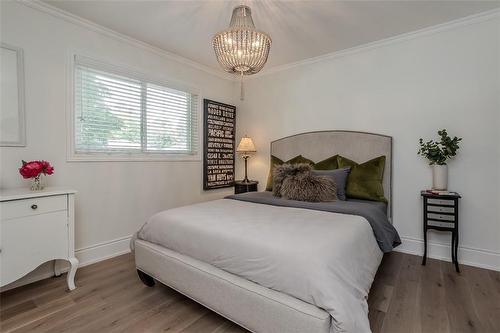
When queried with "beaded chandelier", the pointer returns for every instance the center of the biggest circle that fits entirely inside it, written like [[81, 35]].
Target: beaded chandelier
[[241, 49]]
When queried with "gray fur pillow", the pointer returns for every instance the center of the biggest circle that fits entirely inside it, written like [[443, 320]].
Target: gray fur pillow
[[295, 182], [282, 171], [307, 187]]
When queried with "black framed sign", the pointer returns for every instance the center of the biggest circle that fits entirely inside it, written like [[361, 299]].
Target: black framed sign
[[219, 130]]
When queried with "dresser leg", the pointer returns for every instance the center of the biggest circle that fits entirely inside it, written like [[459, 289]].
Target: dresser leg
[[424, 259], [456, 253], [453, 247], [71, 273]]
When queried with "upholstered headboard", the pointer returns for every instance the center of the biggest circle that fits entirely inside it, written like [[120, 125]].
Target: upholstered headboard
[[357, 146]]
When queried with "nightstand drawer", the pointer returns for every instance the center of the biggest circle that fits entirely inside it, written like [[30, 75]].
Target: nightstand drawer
[[440, 209], [32, 206], [441, 224], [440, 217], [443, 202]]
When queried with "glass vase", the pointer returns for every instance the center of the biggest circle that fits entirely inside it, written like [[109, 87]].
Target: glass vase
[[36, 183]]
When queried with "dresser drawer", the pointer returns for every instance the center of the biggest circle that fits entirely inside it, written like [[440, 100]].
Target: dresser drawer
[[33, 206], [440, 217], [441, 224], [440, 209], [443, 202]]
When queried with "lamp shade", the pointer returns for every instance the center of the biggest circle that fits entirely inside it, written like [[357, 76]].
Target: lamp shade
[[246, 146]]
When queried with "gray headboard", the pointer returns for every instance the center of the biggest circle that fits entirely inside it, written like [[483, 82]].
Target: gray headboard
[[357, 146]]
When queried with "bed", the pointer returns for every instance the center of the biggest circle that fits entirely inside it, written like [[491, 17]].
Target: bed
[[276, 265]]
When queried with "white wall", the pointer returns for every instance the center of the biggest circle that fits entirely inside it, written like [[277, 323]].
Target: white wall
[[114, 198], [407, 89]]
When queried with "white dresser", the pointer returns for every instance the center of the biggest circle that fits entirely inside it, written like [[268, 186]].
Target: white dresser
[[36, 227]]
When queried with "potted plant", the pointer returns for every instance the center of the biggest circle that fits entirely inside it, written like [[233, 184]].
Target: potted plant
[[438, 153]]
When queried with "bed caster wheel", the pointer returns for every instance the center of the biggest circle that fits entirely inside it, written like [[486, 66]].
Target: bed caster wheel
[[146, 279]]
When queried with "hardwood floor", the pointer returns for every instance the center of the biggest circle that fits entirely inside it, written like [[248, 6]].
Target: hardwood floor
[[405, 297]]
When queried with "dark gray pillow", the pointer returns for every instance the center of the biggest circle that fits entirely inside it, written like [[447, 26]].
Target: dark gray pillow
[[307, 187], [340, 178]]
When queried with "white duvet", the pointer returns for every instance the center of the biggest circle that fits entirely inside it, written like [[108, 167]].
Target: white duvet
[[322, 258]]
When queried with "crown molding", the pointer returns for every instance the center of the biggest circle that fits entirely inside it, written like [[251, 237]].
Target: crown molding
[[77, 20], [461, 22]]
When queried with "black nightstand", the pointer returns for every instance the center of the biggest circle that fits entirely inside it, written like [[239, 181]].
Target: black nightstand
[[441, 213], [242, 187]]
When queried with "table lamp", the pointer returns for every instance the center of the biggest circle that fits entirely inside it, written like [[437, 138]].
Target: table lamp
[[246, 148]]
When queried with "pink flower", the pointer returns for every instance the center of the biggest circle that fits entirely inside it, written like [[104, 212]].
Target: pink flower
[[32, 169], [47, 169]]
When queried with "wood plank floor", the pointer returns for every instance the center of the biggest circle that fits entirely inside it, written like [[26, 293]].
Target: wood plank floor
[[405, 297]]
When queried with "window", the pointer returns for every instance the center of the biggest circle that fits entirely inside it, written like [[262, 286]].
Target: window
[[126, 116]]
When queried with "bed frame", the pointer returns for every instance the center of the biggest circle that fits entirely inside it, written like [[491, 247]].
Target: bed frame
[[252, 306]]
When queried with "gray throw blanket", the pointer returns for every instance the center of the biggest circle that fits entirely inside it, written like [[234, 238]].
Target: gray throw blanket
[[374, 212]]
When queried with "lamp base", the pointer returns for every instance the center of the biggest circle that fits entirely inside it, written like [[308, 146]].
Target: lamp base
[[246, 180]]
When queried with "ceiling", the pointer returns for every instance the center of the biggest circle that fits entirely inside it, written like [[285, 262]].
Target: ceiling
[[299, 29]]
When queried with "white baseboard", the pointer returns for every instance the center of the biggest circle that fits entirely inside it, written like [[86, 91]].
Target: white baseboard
[[102, 251], [86, 255], [466, 255]]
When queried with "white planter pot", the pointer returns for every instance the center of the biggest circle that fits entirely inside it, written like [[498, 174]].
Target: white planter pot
[[439, 177]]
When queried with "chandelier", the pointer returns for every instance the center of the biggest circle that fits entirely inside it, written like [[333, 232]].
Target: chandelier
[[241, 49]]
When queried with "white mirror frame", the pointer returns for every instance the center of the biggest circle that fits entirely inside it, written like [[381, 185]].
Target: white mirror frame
[[21, 129]]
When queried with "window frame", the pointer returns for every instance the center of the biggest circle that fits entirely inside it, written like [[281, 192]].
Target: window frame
[[117, 156]]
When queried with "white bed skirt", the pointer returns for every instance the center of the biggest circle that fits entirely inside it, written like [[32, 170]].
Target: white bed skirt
[[257, 308]]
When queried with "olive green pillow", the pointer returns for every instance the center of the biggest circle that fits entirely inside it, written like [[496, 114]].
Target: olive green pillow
[[330, 163], [276, 161], [365, 180]]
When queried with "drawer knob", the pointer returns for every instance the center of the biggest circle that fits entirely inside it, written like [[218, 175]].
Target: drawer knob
[[34, 206]]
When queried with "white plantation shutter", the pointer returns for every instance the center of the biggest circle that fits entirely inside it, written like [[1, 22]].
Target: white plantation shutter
[[107, 112], [117, 113], [171, 120]]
